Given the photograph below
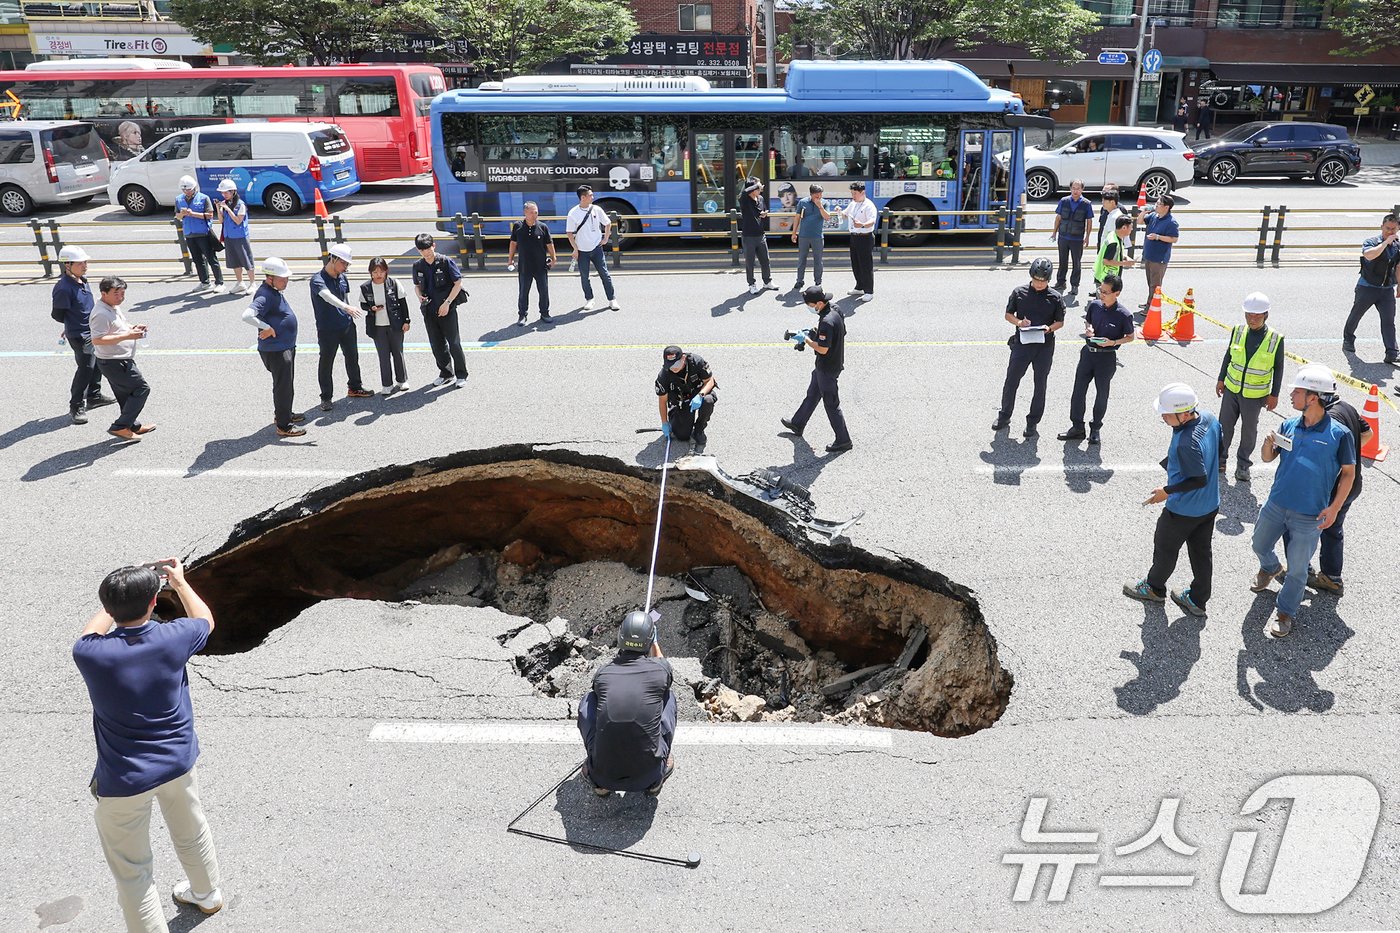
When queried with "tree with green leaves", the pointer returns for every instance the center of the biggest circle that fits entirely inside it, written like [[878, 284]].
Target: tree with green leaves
[[1369, 26], [912, 29], [512, 37], [274, 32]]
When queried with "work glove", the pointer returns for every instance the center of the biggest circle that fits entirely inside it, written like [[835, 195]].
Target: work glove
[[696, 402], [666, 429], [800, 339]]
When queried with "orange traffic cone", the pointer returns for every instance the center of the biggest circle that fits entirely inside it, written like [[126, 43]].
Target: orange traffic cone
[[1184, 328], [1142, 199], [1152, 327], [1375, 450], [321, 206]]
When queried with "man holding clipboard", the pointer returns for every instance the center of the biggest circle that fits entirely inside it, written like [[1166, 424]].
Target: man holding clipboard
[[1036, 311]]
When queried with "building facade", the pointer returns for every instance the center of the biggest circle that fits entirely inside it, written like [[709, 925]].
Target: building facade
[[42, 30]]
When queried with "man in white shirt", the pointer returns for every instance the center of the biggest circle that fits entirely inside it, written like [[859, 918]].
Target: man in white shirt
[[114, 344], [828, 166], [587, 227], [862, 217]]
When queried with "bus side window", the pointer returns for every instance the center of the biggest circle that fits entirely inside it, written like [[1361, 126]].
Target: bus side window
[[664, 145], [519, 137], [914, 147]]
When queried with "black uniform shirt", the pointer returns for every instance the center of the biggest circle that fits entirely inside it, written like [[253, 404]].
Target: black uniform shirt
[[627, 742], [435, 280], [531, 244], [751, 221], [1110, 323], [1041, 308], [679, 388], [831, 333], [1344, 414]]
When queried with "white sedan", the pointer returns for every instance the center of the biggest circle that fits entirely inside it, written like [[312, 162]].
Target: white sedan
[[1125, 157]]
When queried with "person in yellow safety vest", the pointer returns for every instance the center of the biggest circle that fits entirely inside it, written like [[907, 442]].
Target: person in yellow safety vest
[[911, 163], [1250, 378], [948, 168]]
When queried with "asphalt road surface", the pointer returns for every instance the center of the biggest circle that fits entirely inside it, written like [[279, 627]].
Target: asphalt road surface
[[1117, 706]]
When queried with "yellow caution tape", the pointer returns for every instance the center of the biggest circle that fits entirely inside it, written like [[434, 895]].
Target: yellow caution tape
[[1343, 378]]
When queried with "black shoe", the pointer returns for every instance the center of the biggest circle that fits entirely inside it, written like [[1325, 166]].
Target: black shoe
[[792, 427], [326, 405], [655, 789], [79, 415], [1348, 346], [298, 419], [699, 438], [1093, 437], [1000, 424], [839, 448], [1073, 434], [98, 400], [1392, 360], [520, 321], [1030, 431], [546, 319]]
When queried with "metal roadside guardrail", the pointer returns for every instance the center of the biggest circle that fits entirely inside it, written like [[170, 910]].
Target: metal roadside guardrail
[[1264, 238]]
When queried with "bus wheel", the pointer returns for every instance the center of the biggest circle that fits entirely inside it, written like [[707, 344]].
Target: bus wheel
[[136, 200], [628, 226], [911, 231], [281, 200]]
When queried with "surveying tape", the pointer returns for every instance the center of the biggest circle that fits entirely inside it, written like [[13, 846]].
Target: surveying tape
[[1301, 361]]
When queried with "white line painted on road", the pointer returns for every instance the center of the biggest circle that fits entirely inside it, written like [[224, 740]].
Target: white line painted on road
[[1052, 468], [565, 733], [168, 472]]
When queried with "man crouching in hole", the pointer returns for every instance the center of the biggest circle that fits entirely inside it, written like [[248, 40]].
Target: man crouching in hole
[[628, 719]]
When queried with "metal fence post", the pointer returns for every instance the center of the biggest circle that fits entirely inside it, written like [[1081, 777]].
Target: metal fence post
[[1017, 230], [1001, 235], [54, 236], [615, 240], [734, 238], [338, 223], [462, 249], [44, 259], [1263, 235], [478, 242], [1278, 236], [320, 223], [183, 244], [885, 221]]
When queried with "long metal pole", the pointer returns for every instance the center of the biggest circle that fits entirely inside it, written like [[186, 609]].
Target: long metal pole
[[656, 539], [770, 40], [1137, 67]]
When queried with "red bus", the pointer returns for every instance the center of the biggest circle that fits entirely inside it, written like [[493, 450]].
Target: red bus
[[383, 109]]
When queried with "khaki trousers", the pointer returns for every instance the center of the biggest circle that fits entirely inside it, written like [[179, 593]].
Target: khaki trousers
[[124, 826]]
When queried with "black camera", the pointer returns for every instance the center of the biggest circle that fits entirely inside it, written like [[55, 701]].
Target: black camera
[[791, 335]]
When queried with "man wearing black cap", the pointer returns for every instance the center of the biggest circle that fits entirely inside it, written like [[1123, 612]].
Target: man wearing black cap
[[753, 224], [1036, 311], [685, 395], [828, 343]]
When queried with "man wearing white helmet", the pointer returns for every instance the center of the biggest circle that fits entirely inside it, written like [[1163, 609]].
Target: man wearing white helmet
[[195, 210], [272, 315], [1251, 375], [1317, 464], [1192, 497], [72, 307], [335, 324]]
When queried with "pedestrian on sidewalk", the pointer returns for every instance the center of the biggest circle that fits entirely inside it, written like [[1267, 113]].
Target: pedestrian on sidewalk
[[72, 307], [386, 321], [1192, 498], [808, 235], [238, 252], [438, 284], [828, 343], [143, 719], [753, 233], [1109, 326], [1162, 232], [1036, 311], [1074, 225], [114, 340], [1179, 120], [862, 217], [588, 227], [532, 250], [1317, 467], [1377, 288], [335, 325], [272, 315], [1251, 376], [195, 211], [1205, 120]]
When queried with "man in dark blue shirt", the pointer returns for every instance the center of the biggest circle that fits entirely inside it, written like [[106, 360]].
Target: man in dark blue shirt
[[1192, 497], [532, 247], [134, 668], [1036, 311], [438, 284], [72, 304], [1162, 232], [1074, 224], [272, 315], [828, 343], [1109, 326], [1377, 287], [335, 325]]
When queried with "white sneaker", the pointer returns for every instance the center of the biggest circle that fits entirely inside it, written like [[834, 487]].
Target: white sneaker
[[588, 305], [614, 306], [855, 293], [865, 297], [402, 387], [755, 289], [217, 290], [442, 380], [210, 903], [387, 390], [461, 383]]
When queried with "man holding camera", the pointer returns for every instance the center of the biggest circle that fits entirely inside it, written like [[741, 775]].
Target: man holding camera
[[438, 284], [114, 340], [685, 396], [134, 668], [828, 343]]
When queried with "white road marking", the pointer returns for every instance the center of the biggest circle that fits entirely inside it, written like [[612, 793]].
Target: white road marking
[[1044, 468], [565, 733], [224, 472]]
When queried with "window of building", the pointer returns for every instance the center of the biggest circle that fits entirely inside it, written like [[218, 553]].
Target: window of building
[[1250, 14], [696, 17]]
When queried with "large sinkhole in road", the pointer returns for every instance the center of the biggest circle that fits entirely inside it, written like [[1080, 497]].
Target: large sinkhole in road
[[795, 627]]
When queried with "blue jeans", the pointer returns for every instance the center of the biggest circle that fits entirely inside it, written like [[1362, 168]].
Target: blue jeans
[[1329, 558], [1301, 534], [597, 258]]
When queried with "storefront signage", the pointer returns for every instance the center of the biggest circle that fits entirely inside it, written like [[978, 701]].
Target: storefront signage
[[116, 44]]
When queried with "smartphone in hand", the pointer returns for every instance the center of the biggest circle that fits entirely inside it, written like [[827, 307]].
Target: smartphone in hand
[[162, 569]]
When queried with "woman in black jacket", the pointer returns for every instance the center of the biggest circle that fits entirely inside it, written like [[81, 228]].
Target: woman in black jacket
[[386, 321]]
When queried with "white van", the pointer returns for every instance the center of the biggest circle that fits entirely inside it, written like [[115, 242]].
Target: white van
[[277, 165], [50, 162]]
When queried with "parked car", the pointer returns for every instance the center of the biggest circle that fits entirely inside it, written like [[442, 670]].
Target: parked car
[[50, 162], [1127, 157], [278, 165], [1322, 151]]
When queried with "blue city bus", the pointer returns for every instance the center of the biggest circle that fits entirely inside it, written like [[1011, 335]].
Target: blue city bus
[[922, 135]]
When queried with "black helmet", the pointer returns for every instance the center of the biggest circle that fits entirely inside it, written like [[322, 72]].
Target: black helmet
[[1042, 268], [636, 633]]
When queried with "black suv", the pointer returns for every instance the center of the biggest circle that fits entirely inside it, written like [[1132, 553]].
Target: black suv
[[1322, 151]]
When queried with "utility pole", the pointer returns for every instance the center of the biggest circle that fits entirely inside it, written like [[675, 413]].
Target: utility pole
[[1137, 65], [770, 40]]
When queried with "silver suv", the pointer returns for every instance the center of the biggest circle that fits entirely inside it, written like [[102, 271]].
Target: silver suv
[[50, 162], [1127, 158]]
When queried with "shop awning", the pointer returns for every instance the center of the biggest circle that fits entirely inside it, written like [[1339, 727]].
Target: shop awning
[[1261, 73], [1185, 63]]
